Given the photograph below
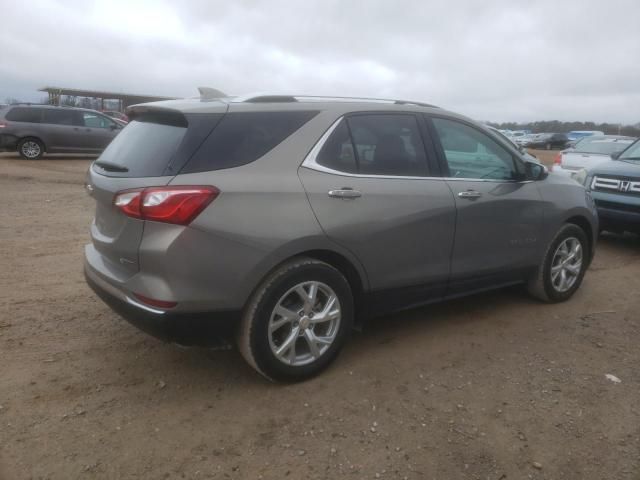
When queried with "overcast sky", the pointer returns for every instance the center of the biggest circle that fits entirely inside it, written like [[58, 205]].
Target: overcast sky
[[491, 60]]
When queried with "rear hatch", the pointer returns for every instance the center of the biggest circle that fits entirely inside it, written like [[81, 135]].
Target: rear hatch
[[149, 151]]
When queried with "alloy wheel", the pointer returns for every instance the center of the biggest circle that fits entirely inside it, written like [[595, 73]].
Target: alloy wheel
[[566, 264], [304, 323], [30, 149]]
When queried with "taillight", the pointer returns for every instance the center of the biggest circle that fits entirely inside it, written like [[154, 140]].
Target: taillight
[[171, 204], [557, 161]]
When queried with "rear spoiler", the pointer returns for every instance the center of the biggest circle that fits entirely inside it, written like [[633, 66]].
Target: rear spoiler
[[150, 113]]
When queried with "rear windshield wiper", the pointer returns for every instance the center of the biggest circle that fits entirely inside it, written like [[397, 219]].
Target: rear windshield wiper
[[111, 167]]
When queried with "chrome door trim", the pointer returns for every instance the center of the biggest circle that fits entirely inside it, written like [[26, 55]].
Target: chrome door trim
[[311, 163]]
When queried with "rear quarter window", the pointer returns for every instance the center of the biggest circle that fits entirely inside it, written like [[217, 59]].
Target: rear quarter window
[[27, 115], [243, 137]]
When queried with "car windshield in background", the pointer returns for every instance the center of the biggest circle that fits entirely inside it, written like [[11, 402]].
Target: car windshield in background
[[602, 145], [632, 154]]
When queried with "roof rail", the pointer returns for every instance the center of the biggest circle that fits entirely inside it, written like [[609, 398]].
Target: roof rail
[[411, 102], [275, 98], [271, 99]]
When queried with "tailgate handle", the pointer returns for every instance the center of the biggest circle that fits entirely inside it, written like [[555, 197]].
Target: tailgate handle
[[345, 192]]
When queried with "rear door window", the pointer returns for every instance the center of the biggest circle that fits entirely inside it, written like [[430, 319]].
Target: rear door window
[[243, 137], [388, 145], [61, 116], [376, 144], [337, 151], [23, 114]]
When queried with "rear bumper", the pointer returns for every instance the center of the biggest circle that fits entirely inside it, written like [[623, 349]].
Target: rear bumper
[[8, 142], [193, 328]]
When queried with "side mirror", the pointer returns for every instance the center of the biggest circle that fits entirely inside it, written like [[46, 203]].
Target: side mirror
[[536, 171], [615, 155]]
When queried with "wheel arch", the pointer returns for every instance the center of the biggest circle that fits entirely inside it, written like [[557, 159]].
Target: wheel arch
[[350, 272], [347, 265], [582, 222], [22, 138]]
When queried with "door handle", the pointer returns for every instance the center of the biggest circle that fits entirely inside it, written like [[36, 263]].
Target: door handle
[[347, 193], [471, 194]]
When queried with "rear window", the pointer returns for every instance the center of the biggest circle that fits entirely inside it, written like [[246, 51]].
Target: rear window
[[22, 114], [143, 148], [243, 137]]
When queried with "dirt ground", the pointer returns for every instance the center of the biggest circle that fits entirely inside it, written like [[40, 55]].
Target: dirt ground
[[496, 386]]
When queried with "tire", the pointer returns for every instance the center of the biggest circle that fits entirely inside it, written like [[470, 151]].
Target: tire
[[31, 148], [547, 284], [264, 332]]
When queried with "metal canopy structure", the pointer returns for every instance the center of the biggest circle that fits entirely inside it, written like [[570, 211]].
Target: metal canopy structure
[[124, 99]]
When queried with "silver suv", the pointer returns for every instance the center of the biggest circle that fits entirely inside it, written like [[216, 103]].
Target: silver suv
[[286, 221]]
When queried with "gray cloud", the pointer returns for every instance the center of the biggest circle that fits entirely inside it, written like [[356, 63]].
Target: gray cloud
[[494, 60]]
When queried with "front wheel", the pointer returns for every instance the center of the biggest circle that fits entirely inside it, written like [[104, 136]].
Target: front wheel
[[563, 266], [31, 149], [297, 320]]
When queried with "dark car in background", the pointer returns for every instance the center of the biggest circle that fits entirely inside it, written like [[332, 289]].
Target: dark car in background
[[33, 130], [615, 188], [549, 141]]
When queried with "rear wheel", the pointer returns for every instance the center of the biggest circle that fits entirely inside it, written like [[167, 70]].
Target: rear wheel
[[297, 320], [563, 266], [31, 148]]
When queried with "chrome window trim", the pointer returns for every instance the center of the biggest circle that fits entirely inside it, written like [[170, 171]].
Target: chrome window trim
[[311, 163]]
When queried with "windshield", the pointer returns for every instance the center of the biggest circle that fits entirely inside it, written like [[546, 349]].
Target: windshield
[[632, 153], [602, 145]]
